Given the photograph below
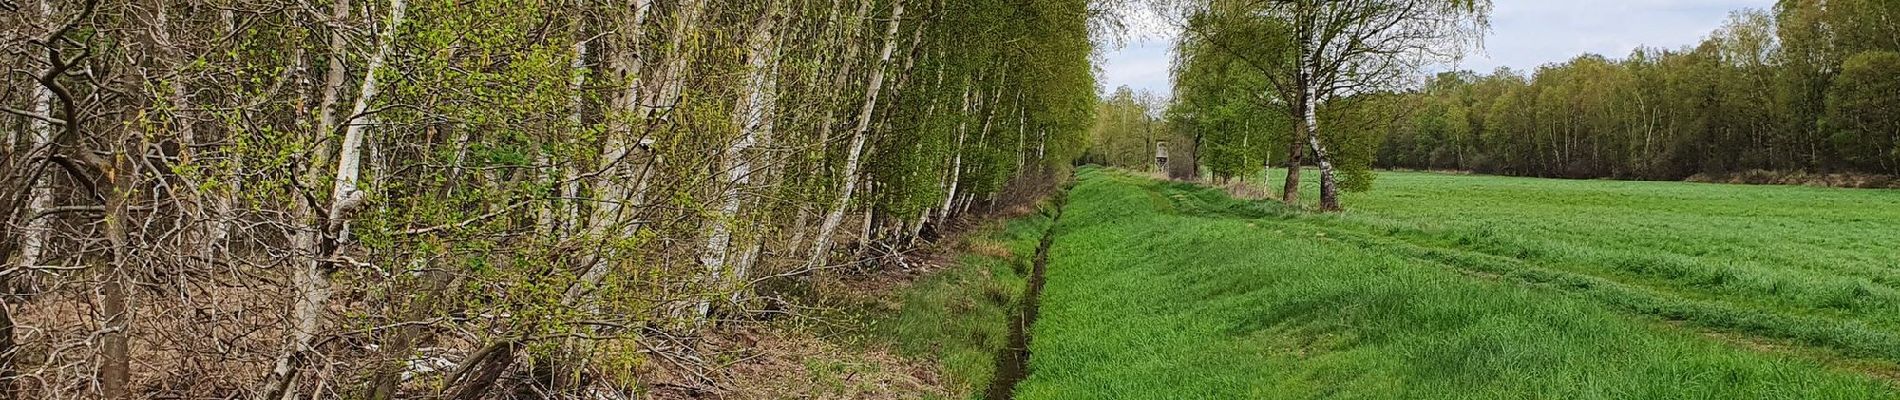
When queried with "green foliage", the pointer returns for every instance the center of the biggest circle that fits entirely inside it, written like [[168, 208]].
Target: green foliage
[[1218, 109], [1127, 132], [560, 178], [1226, 98], [1354, 128], [1863, 110], [1025, 69], [1760, 93], [1325, 66]]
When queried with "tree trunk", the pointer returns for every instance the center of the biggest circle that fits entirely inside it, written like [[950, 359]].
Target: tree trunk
[[615, 198], [1296, 154], [33, 236], [115, 360], [1328, 185], [9, 370], [859, 136], [558, 217], [828, 100], [1042, 144], [321, 240], [305, 278], [956, 160], [672, 75], [1194, 160], [1022, 132], [753, 116]]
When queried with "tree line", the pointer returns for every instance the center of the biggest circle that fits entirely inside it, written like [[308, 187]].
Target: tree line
[[1128, 129], [1292, 83], [1811, 85], [479, 198]]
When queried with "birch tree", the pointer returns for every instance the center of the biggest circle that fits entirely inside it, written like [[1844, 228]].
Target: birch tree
[[754, 118], [1313, 52], [859, 135], [325, 235], [625, 152]]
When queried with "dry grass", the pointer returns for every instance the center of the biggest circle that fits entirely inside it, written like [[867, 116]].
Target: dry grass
[[990, 248], [777, 363], [1763, 177], [59, 333]]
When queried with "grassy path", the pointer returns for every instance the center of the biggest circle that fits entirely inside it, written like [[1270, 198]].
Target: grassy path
[[1463, 287]]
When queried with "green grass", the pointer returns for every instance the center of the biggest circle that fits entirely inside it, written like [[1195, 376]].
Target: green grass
[[1467, 287], [959, 317], [1815, 265]]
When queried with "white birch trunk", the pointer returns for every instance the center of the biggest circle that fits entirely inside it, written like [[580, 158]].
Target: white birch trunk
[[40, 136], [1022, 133], [306, 279], [754, 117], [311, 280], [1042, 143], [212, 212], [983, 133], [864, 234], [859, 135], [798, 229], [611, 188], [344, 194], [1328, 181], [673, 68], [559, 217], [917, 229], [838, 79], [797, 243], [554, 218], [956, 160], [333, 76], [923, 216]]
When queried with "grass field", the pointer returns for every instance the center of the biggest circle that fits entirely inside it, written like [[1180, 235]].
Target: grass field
[[1456, 287]]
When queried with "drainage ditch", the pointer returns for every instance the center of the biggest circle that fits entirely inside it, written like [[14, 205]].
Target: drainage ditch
[[1012, 361]]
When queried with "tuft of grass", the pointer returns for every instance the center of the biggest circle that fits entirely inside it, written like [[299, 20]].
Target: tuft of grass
[[1464, 287]]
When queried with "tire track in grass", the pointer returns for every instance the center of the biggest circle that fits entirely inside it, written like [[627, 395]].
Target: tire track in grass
[[1842, 344], [1882, 370], [1845, 345]]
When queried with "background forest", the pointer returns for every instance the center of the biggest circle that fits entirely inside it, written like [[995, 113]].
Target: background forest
[[1808, 92], [1808, 86]]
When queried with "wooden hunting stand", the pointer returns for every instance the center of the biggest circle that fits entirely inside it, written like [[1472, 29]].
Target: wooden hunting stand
[[1161, 156]]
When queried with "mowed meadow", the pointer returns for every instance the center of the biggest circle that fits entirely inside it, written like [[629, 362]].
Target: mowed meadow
[[1461, 286]]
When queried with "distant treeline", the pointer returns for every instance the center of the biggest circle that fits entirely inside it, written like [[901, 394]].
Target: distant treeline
[[1812, 85]]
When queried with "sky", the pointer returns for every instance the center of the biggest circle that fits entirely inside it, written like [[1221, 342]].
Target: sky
[[1524, 35]]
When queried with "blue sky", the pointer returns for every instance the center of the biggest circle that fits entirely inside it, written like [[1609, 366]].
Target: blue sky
[[1524, 34]]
